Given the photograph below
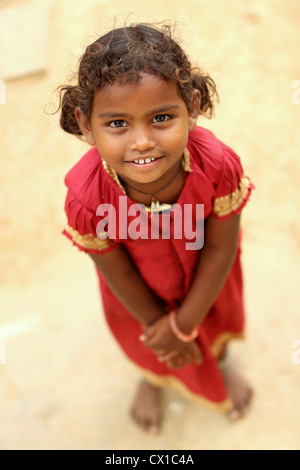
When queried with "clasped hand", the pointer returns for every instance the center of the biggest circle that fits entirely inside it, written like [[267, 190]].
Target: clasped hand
[[161, 339]]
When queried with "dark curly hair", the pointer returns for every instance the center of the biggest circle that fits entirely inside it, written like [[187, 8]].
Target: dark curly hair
[[122, 55]]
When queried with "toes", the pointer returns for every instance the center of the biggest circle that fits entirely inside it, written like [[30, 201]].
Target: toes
[[144, 424], [147, 426], [146, 410], [234, 414], [153, 429], [241, 408], [247, 401]]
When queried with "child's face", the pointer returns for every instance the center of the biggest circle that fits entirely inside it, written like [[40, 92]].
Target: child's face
[[133, 123]]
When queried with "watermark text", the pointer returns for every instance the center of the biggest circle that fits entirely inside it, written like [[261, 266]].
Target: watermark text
[[296, 93], [177, 222], [296, 353]]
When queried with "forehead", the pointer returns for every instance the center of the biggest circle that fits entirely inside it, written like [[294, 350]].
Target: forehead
[[149, 93]]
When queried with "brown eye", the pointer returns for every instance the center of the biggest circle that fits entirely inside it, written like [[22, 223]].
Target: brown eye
[[118, 123], [161, 118]]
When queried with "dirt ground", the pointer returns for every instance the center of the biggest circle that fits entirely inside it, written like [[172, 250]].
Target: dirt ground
[[65, 383]]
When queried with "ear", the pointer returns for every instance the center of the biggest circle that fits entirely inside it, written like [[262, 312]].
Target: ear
[[194, 110], [85, 126]]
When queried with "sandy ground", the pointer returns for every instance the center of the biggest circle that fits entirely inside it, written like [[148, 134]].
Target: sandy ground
[[65, 383]]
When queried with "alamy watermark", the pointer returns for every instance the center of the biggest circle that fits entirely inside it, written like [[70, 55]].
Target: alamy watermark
[[177, 222], [296, 93], [2, 92], [296, 353], [2, 352]]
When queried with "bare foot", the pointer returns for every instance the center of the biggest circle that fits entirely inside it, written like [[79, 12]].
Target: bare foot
[[238, 389], [146, 409]]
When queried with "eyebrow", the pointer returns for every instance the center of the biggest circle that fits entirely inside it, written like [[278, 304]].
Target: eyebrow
[[163, 109]]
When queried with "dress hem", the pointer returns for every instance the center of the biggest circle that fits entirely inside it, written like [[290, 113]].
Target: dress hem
[[172, 382]]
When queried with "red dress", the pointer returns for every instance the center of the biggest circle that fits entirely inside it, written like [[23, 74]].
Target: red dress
[[215, 179]]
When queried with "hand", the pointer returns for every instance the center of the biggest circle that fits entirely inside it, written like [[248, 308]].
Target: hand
[[191, 354], [161, 339]]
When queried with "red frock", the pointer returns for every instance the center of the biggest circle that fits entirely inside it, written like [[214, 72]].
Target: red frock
[[215, 179]]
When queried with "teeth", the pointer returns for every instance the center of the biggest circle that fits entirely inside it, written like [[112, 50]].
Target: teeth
[[142, 161]]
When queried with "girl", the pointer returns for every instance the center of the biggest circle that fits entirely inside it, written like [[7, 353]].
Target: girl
[[171, 307]]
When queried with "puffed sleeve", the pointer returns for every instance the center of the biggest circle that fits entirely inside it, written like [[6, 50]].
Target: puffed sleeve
[[234, 188], [82, 229]]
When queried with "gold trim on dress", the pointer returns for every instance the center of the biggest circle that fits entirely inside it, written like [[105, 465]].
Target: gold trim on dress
[[173, 382], [186, 165], [186, 161], [226, 204], [88, 241], [221, 341], [113, 174]]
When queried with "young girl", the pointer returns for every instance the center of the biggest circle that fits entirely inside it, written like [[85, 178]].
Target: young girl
[[172, 307]]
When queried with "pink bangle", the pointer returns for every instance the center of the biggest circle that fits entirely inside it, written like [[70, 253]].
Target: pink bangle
[[179, 334]]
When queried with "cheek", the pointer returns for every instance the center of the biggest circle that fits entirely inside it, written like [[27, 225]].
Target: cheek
[[178, 137], [111, 150]]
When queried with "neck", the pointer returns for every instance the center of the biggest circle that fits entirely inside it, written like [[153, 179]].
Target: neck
[[164, 190]]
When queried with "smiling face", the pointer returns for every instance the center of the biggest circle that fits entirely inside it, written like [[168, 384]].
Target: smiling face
[[141, 130]]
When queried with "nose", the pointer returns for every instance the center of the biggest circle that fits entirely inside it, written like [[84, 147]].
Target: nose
[[142, 140]]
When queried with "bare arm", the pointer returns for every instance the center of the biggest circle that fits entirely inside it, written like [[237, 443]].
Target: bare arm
[[127, 285], [215, 261]]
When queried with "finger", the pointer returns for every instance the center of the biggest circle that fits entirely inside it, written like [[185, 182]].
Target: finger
[[178, 363], [167, 356], [160, 353], [187, 357], [147, 335], [175, 364], [182, 357], [197, 354], [171, 364]]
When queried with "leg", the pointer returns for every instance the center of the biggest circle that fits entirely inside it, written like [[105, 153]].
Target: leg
[[238, 388], [146, 409]]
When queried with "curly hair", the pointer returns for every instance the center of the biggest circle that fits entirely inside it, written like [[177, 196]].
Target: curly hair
[[123, 55]]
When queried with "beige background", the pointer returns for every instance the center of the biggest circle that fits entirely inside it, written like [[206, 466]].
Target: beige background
[[66, 384]]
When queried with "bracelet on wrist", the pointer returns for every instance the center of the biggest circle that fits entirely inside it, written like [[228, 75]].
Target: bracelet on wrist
[[178, 333]]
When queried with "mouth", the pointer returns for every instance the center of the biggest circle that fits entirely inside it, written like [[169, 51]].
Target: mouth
[[145, 162]]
